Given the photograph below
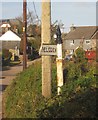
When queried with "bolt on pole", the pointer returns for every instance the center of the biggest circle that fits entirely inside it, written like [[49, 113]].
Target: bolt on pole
[[59, 61], [24, 34], [46, 39]]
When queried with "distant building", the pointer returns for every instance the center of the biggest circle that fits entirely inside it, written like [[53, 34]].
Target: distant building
[[84, 36], [5, 27], [12, 24], [10, 41]]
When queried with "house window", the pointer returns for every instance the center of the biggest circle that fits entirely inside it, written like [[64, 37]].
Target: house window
[[71, 52], [72, 42], [87, 41]]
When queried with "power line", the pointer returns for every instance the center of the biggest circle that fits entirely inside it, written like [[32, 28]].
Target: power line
[[36, 12], [36, 16], [31, 19]]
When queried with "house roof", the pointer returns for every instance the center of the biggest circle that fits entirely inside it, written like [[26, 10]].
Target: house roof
[[95, 36], [11, 21], [10, 36], [81, 32], [5, 25], [15, 21]]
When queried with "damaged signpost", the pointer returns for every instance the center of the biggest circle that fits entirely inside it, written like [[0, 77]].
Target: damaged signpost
[[49, 50], [59, 61]]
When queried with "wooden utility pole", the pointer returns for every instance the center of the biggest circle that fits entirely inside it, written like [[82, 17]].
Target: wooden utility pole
[[46, 39], [24, 34]]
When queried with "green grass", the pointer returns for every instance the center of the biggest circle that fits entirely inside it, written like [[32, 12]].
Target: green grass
[[22, 91], [23, 97], [24, 94]]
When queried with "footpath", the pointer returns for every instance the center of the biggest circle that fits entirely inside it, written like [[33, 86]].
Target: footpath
[[7, 75]]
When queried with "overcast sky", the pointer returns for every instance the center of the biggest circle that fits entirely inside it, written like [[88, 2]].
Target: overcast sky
[[77, 13]]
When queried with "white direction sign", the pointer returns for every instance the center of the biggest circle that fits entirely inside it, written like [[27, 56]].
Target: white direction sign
[[48, 50]]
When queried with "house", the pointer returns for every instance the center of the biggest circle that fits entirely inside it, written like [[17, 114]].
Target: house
[[5, 27], [13, 24], [10, 41], [84, 36]]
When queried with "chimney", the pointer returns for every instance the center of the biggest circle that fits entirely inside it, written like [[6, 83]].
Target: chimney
[[15, 29], [72, 27], [5, 27]]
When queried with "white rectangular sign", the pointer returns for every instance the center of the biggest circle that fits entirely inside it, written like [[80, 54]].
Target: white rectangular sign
[[48, 50]]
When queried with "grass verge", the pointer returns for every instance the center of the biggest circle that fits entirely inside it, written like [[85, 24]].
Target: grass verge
[[23, 99]]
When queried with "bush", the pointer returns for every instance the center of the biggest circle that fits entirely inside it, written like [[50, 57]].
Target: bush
[[78, 106], [6, 57], [78, 100], [34, 55], [79, 56]]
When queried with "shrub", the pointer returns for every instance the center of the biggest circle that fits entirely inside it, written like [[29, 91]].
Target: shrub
[[78, 100], [6, 57], [79, 56]]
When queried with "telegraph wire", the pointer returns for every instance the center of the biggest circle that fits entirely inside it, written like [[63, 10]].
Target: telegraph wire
[[36, 12]]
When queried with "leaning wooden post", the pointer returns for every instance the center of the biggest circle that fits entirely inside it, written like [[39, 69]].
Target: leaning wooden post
[[46, 39], [59, 61]]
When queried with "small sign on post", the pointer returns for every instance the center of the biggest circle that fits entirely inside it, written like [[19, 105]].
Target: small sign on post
[[48, 50]]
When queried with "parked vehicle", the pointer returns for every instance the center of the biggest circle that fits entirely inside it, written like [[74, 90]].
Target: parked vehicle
[[68, 57], [90, 55]]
